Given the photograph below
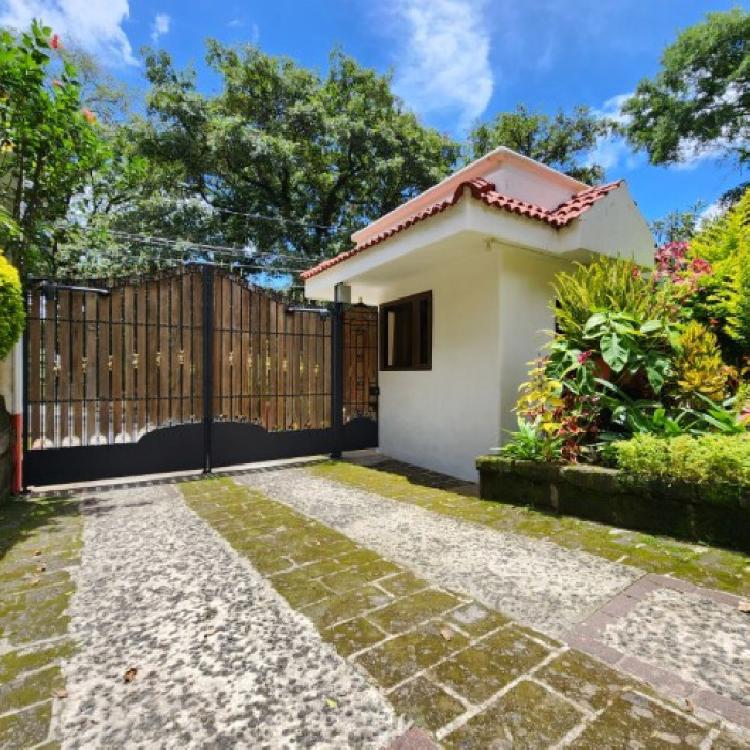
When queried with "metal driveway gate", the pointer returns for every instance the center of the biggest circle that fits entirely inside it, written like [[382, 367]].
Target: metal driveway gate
[[189, 370]]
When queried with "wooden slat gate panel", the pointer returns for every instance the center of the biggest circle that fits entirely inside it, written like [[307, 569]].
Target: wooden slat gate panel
[[115, 377]]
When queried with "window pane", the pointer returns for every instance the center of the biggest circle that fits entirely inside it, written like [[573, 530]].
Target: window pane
[[390, 333], [403, 336], [425, 332]]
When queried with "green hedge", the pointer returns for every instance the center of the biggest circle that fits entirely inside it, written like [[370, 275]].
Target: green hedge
[[708, 459], [11, 307]]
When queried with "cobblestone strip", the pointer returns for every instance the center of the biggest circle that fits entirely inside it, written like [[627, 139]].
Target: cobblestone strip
[[183, 644], [447, 663], [40, 543]]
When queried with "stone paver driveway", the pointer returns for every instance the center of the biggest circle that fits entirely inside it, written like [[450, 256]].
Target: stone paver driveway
[[300, 608]]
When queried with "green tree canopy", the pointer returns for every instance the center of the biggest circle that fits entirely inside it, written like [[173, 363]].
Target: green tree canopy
[[319, 156], [562, 142], [700, 99]]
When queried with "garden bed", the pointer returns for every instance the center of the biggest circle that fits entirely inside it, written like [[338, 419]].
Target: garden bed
[[717, 513]]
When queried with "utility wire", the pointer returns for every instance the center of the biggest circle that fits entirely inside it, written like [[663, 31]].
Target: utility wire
[[179, 256], [255, 216], [219, 249]]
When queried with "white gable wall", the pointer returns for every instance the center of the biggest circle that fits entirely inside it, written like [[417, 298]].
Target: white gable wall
[[491, 316], [518, 181]]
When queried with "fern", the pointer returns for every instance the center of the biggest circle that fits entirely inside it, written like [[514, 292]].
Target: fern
[[725, 242]]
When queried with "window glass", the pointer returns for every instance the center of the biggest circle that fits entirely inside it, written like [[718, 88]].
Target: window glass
[[406, 333]]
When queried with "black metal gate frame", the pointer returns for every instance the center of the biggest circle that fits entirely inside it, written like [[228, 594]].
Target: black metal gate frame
[[210, 444]]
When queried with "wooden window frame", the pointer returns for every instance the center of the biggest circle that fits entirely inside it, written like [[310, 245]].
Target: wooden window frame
[[414, 300]]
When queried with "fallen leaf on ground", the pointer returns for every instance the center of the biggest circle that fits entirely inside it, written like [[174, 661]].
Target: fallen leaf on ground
[[447, 633], [130, 674], [331, 703], [744, 606]]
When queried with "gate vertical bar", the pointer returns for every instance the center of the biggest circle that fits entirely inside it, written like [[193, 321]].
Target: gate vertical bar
[[337, 378], [208, 370]]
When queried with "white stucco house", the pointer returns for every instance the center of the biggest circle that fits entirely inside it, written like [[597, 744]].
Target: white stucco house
[[462, 274]]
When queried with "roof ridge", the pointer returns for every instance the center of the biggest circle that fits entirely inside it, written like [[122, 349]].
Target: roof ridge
[[484, 191]]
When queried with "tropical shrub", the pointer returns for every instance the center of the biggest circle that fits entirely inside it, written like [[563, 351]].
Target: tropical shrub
[[699, 368], [533, 443], [704, 459], [723, 295], [11, 307], [605, 285], [631, 357]]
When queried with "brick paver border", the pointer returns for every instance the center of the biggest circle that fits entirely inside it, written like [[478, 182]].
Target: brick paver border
[[587, 637]]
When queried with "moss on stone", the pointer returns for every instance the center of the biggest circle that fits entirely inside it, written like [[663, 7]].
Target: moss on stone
[[335, 609], [584, 680], [403, 583], [354, 635], [482, 669], [632, 720], [476, 620], [299, 590], [354, 577], [729, 571], [527, 716], [17, 662], [427, 704], [412, 609], [397, 659], [27, 689], [27, 728]]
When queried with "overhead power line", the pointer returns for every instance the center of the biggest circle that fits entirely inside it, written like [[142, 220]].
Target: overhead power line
[[213, 248], [256, 216], [175, 254]]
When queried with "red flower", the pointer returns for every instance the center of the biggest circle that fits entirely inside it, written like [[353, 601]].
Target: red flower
[[584, 357], [89, 115], [54, 42], [700, 266]]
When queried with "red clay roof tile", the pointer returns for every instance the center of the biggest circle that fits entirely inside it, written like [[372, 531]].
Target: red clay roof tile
[[485, 192]]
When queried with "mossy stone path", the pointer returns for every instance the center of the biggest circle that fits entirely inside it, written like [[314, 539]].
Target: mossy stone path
[[703, 565], [40, 547], [464, 672]]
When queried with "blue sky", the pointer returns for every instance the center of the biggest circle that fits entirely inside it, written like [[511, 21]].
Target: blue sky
[[453, 60]]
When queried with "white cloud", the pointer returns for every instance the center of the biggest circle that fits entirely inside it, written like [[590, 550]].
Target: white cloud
[[443, 57], [612, 108], [709, 213], [613, 152], [94, 25], [160, 26]]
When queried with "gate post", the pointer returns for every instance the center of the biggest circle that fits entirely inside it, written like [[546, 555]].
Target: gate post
[[208, 370], [337, 379]]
